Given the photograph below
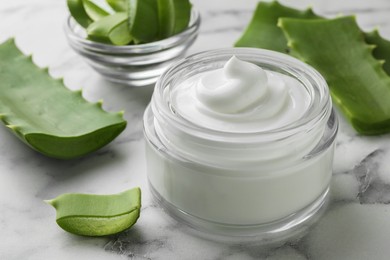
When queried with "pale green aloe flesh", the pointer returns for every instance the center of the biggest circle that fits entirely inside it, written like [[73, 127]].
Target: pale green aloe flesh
[[110, 29], [358, 82], [262, 31], [97, 215], [174, 16], [46, 115], [143, 20]]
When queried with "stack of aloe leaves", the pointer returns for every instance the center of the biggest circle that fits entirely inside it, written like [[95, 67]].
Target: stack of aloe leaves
[[123, 22], [355, 64]]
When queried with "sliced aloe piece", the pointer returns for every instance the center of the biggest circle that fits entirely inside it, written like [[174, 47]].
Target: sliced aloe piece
[[118, 5], [358, 82], [97, 215], [94, 11], [143, 20], [46, 115], [174, 16], [262, 31], [110, 29], [76, 9]]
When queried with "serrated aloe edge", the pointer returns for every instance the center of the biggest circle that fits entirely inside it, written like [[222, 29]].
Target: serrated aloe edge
[[45, 114]]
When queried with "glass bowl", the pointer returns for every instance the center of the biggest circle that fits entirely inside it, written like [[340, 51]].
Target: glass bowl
[[133, 65]]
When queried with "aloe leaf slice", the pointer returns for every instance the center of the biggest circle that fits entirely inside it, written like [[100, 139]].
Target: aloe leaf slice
[[262, 31], [110, 29], [174, 16], [97, 215], [46, 115], [357, 81], [94, 11], [76, 9], [118, 5], [143, 20]]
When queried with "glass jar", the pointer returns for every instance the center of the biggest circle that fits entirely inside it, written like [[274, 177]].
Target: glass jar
[[265, 184], [133, 65]]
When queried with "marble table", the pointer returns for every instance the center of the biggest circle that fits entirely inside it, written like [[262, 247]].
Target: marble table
[[355, 226]]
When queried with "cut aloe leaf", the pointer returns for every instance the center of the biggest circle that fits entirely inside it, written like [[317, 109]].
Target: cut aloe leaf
[[118, 5], [110, 29], [174, 16], [46, 115], [76, 9], [358, 83], [94, 11], [262, 31], [143, 20], [382, 50], [97, 215]]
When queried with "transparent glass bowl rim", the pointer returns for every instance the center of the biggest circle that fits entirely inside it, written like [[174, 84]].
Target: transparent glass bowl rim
[[320, 112], [169, 42]]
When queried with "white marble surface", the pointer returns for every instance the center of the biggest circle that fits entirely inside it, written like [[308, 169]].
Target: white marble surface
[[356, 225]]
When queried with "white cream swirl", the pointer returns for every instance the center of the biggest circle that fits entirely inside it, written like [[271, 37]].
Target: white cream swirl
[[240, 97]]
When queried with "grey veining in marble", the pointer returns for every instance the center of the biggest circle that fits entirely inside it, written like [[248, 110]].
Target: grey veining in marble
[[355, 226]]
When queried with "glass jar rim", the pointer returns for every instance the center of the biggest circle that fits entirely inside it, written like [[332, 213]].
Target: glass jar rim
[[319, 112], [135, 49]]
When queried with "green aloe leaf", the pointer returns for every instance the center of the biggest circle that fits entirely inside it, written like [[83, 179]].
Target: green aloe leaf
[[143, 20], [76, 9], [111, 29], [174, 16], [358, 82], [97, 215], [94, 11], [118, 5], [46, 115], [262, 31]]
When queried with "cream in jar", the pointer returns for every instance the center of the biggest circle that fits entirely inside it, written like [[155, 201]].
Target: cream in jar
[[240, 138]]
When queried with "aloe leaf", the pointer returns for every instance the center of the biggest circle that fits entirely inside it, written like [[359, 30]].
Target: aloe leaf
[[76, 9], [358, 83], [118, 5], [97, 215], [46, 115], [143, 20], [110, 29], [262, 31], [94, 11], [174, 16], [382, 50]]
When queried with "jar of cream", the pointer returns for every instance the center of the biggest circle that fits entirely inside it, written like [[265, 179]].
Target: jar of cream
[[240, 142]]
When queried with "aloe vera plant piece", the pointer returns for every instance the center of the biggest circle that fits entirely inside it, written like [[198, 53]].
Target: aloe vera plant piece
[[382, 50], [143, 20], [46, 115], [174, 16], [76, 9], [97, 215], [94, 11], [110, 29], [118, 5], [358, 82], [262, 31]]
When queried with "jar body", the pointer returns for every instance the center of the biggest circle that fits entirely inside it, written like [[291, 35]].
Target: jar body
[[259, 197]]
